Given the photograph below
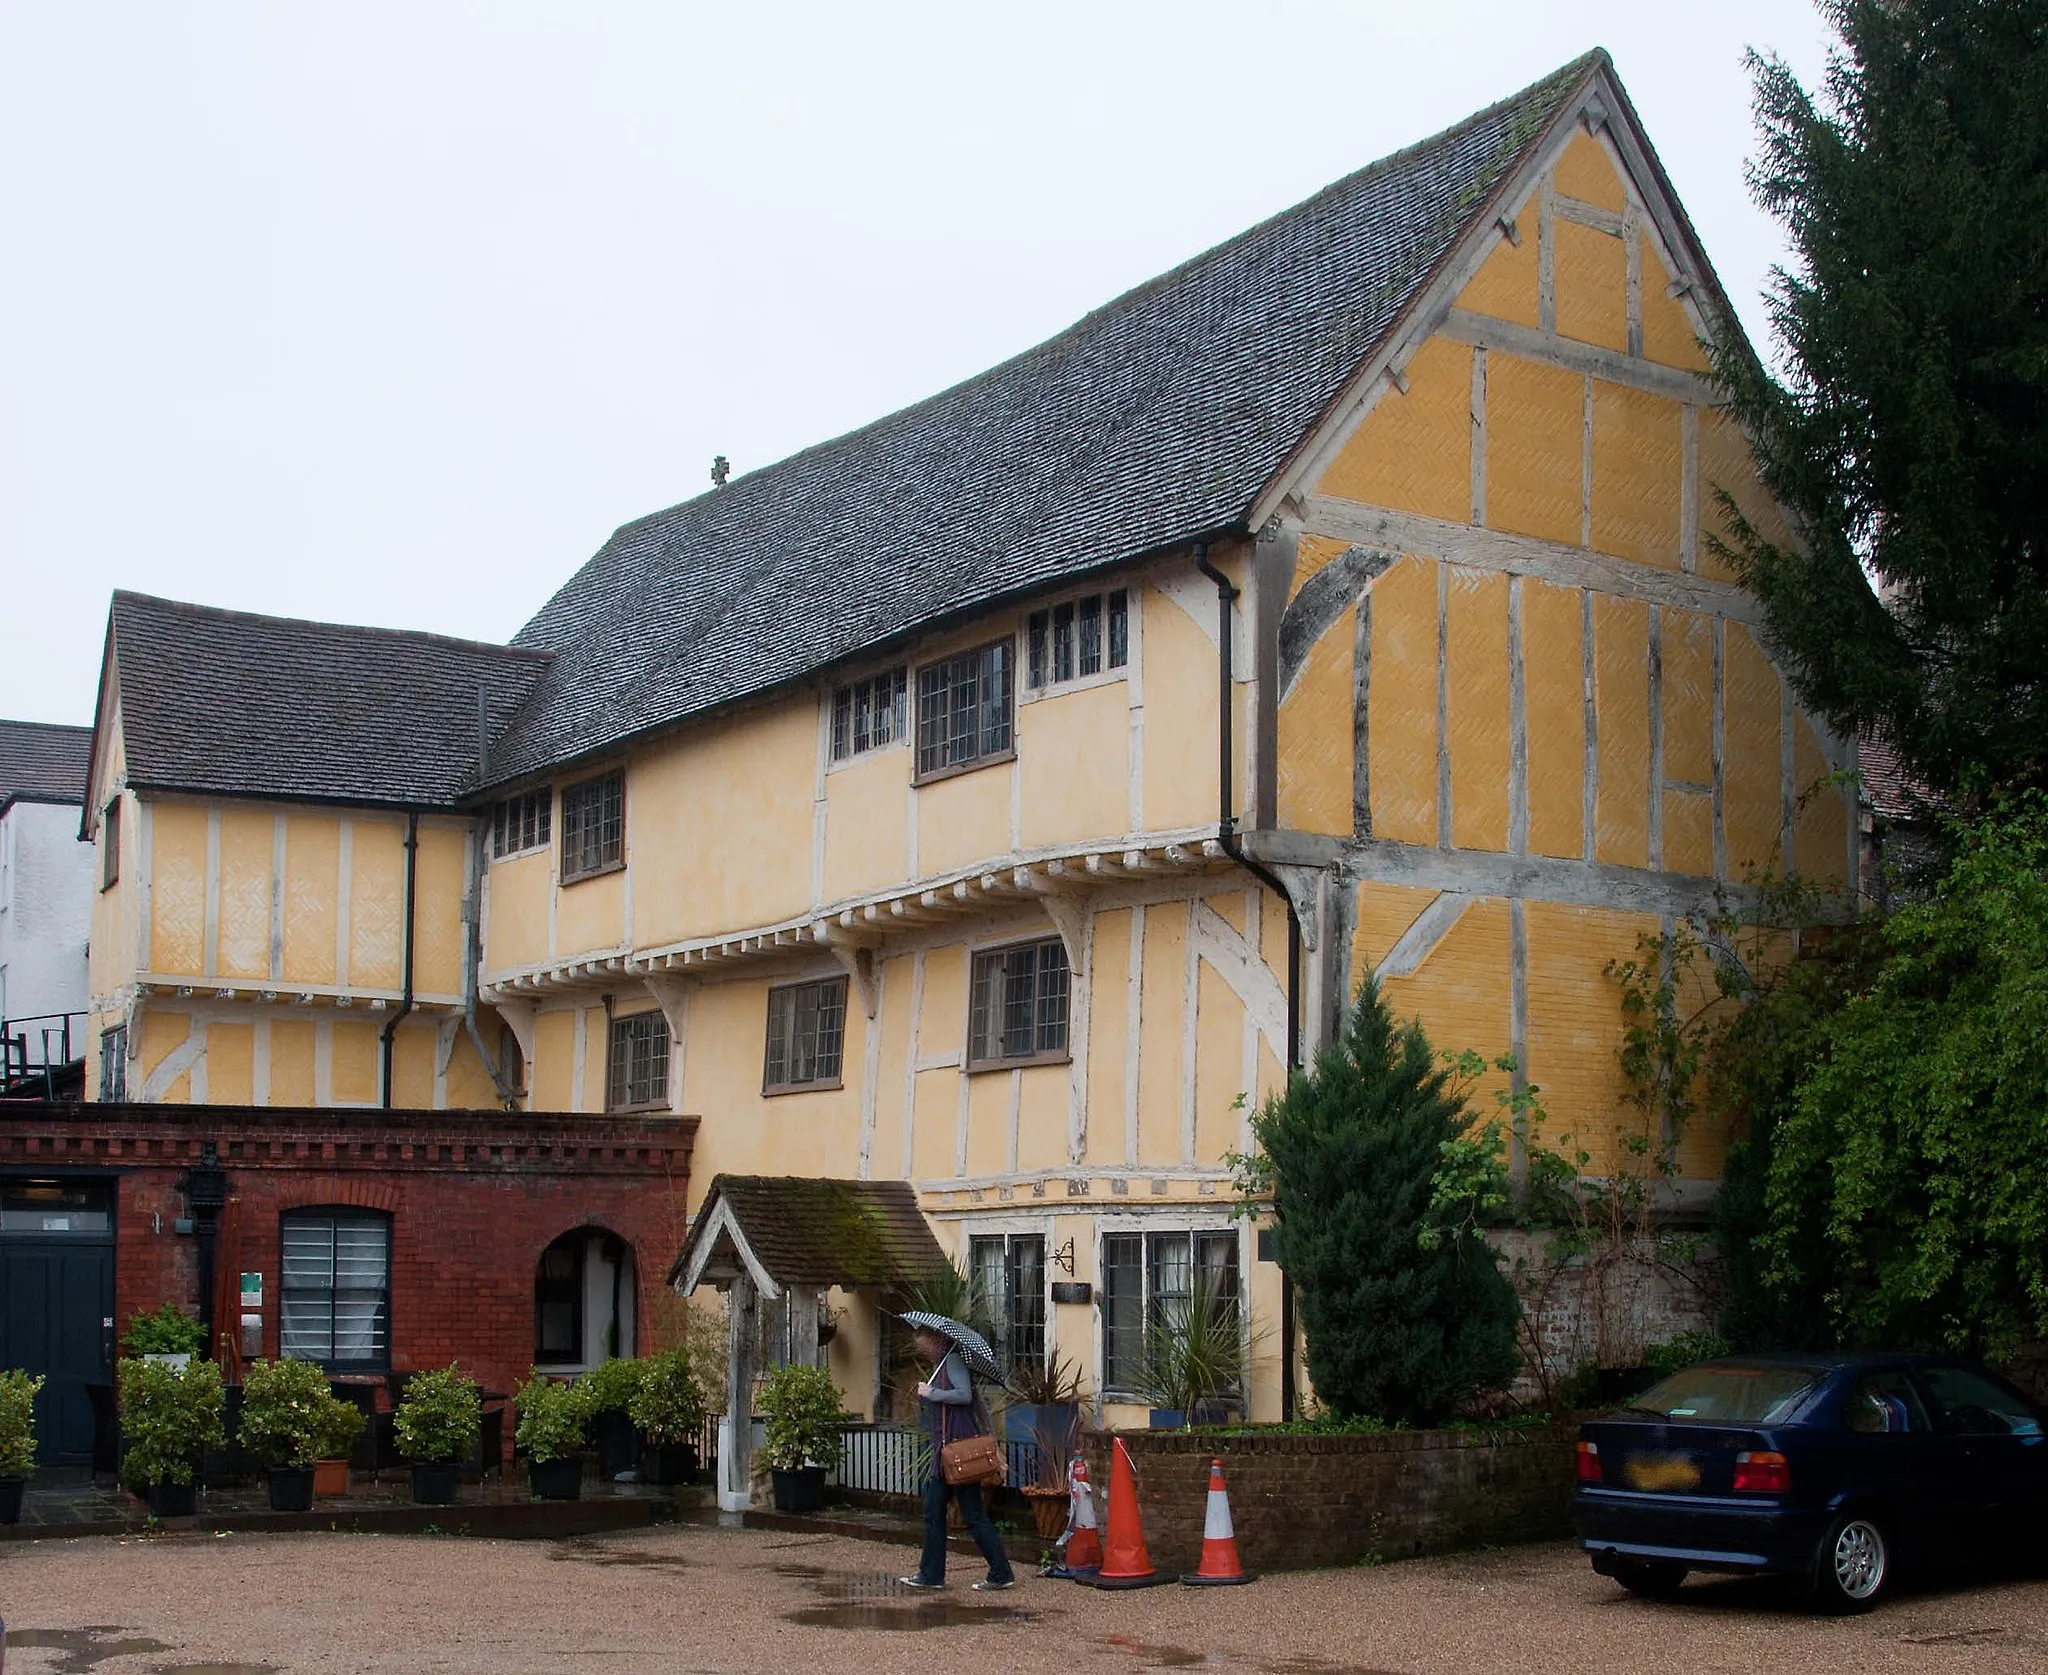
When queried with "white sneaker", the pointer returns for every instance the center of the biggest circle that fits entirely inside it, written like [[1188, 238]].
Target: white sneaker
[[922, 1585], [990, 1585]]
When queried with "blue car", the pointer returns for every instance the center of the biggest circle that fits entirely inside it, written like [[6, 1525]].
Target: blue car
[[1841, 1470]]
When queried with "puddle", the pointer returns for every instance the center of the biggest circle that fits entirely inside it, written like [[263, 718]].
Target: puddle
[[1186, 1657], [213, 1669], [1161, 1657], [582, 1550], [81, 1650], [883, 1603]]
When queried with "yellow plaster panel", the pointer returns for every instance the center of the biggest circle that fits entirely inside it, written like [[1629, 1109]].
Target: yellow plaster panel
[[1042, 1123], [1637, 463], [1318, 741], [1056, 734], [1584, 171], [230, 1063], [1590, 270], [1478, 709], [1688, 647], [1461, 990], [1180, 714], [1820, 838], [1401, 706], [942, 1025], [867, 824], [1108, 1035], [312, 860], [376, 907], [1575, 1022], [1689, 832], [892, 1067], [1621, 701], [1535, 448], [1159, 1032], [439, 936], [1751, 771], [177, 889], [1726, 463], [1384, 912], [965, 819], [552, 1076], [162, 1032], [291, 1061], [1219, 1066], [938, 1104], [1312, 553], [590, 914], [1229, 907], [1668, 335], [1413, 452], [1554, 711], [355, 1062], [247, 840], [470, 1087], [988, 1121], [413, 1051], [516, 931], [1505, 285]]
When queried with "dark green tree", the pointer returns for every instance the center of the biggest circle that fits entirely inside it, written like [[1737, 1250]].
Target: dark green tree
[[1907, 435], [1395, 1331]]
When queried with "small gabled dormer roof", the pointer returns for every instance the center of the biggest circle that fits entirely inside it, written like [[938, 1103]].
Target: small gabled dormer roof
[[43, 762]]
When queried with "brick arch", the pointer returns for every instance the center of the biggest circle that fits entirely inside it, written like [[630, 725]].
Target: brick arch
[[589, 1224], [354, 1195]]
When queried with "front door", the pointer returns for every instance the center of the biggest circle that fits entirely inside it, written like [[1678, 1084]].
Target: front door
[[57, 1303]]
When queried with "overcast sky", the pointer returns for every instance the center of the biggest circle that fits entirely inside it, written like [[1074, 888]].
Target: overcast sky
[[390, 313]]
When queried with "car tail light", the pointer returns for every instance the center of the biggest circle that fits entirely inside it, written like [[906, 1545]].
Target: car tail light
[[1762, 1473], [1589, 1462]]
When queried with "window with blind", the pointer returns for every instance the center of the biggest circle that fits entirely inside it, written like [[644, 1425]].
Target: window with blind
[[593, 826], [334, 1295], [1078, 640], [1017, 1006], [521, 823], [1010, 1273], [1156, 1278], [963, 710], [806, 1035], [114, 1065], [868, 714], [639, 1062]]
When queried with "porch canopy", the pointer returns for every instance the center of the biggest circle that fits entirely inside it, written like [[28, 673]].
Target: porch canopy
[[789, 1236]]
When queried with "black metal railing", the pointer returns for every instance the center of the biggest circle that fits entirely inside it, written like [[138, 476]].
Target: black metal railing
[[36, 1049]]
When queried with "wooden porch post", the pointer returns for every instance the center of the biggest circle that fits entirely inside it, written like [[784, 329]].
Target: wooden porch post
[[735, 1491]]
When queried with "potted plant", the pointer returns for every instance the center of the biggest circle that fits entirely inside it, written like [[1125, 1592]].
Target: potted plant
[[169, 1417], [340, 1424], [285, 1422], [668, 1407], [804, 1436], [1195, 1354], [167, 1334], [552, 1421], [1046, 1412], [17, 1440], [608, 1392], [437, 1426]]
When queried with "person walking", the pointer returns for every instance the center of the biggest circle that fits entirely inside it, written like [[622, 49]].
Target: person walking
[[953, 1412]]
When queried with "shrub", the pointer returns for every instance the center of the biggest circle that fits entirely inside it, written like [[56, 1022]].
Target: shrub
[[340, 1424], [608, 1387], [1688, 1349], [169, 1417], [18, 1423], [805, 1418], [668, 1403], [285, 1412], [440, 1417], [553, 1418], [1194, 1351], [168, 1330]]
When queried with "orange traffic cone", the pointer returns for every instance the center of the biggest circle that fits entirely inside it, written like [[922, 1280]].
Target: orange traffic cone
[[1125, 1563], [1220, 1566], [1084, 1537]]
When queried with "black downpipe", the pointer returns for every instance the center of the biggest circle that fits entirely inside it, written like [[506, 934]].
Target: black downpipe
[[412, 850], [1226, 834]]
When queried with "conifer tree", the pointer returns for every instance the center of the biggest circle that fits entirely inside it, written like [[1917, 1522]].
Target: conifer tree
[[1395, 1331]]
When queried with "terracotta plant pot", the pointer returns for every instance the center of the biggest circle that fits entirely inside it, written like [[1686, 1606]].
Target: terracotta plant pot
[[330, 1477]]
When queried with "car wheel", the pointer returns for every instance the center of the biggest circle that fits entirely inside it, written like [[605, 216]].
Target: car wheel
[[1854, 1566], [1648, 1580]]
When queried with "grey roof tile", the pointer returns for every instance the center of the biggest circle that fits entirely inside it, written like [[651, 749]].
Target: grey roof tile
[[43, 762]]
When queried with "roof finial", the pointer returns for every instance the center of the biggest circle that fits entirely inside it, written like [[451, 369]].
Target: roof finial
[[721, 468]]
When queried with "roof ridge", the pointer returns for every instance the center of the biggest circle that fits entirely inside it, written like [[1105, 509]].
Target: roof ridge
[[223, 613], [48, 726]]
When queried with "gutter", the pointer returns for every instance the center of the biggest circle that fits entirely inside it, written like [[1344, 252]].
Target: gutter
[[412, 869], [1226, 834]]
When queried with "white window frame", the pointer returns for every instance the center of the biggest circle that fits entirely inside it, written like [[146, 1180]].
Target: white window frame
[[1132, 590], [905, 668], [544, 797]]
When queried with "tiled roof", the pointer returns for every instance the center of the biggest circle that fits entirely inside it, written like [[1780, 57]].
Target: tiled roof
[[261, 706], [43, 762], [822, 1232], [1154, 420], [1888, 784]]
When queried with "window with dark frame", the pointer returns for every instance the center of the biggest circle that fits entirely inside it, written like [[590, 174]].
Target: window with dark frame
[[963, 709], [110, 844], [334, 1289], [1078, 639], [868, 714], [558, 1303], [1017, 1006], [806, 1036], [523, 822], [114, 1065], [593, 825], [1010, 1271], [639, 1062], [1153, 1277]]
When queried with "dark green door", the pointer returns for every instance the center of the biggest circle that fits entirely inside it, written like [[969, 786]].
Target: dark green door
[[57, 1303]]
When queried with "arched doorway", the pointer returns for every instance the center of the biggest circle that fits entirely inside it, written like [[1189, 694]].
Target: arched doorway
[[584, 1290]]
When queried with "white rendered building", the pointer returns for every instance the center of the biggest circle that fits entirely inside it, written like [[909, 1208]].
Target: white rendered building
[[46, 891]]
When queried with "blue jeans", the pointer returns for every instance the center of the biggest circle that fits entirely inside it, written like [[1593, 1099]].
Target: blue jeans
[[932, 1568]]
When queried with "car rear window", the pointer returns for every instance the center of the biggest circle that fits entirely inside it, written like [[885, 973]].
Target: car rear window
[[1723, 1393]]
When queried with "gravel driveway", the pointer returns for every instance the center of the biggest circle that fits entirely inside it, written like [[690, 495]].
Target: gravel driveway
[[683, 1599]]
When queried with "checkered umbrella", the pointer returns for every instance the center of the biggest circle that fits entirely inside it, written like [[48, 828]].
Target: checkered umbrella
[[970, 1343]]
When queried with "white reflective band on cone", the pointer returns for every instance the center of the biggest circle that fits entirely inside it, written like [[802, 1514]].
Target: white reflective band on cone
[[1216, 1521]]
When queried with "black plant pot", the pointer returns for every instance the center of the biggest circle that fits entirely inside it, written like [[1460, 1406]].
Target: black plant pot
[[555, 1480], [291, 1488], [434, 1482], [616, 1440], [173, 1500], [667, 1463], [802, 1490], [10, 1499]]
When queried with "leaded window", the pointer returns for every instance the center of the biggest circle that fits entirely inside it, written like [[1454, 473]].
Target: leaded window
[[868, 714], [1018, 1004], [963, 709], [523, 822], [1010, 1274], [114, 1064], [806, 1035], [1078, 639], [334, 1294], [1152, 1281], [593, 825], [639, 1062]]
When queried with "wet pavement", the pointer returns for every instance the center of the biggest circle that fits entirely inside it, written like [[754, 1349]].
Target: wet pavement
[[682, 1599]]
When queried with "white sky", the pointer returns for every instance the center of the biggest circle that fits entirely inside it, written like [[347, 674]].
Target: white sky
[[391, 312]]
